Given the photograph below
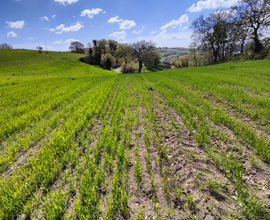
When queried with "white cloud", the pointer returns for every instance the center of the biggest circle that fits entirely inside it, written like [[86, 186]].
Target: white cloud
[[164, 35], [144, 26], [45, 18], [153, 32], [211, 4], [182, 19], [30, 38], [63, 2], [184, 28], [114, 19], [61, 28], [104, 12], [53, 16], [68, 41], [127, 24], [137, 32], [119, 35], [123, 24], [12, 34], [91, 13], [15, 24], [58, 42]]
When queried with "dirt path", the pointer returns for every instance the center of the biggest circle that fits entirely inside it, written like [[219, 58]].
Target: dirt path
[[117, 69]]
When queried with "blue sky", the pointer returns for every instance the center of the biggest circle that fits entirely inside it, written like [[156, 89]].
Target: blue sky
[[30, 23]]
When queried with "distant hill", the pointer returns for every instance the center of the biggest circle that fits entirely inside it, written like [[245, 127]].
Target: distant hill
[[167, 53]]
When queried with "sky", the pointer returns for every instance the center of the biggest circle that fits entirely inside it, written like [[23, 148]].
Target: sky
[[31, 23]]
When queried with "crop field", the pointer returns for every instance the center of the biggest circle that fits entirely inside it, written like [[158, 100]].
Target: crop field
[[80, 142]]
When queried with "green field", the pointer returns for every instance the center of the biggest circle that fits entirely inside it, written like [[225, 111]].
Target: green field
[[166, 54], [81, 142]]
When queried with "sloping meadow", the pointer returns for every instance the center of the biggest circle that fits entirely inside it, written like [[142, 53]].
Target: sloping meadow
[[180, 144]]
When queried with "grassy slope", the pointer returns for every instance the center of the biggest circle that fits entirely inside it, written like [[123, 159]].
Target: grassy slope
[[30, 62], [243, 85], [42, 97]]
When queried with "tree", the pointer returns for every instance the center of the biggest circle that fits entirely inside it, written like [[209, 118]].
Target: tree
[[96, 50], [152, 59], [193, 49], [255, 15], [124, 54], [103, 46], [112, 46], [141, 49], [107, 61], [5, 46], [76, 47], [39, 49], [211, 34]]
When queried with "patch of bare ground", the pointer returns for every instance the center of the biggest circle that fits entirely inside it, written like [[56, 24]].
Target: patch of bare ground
[[164, 208], [139, 195], [188, 168], [256, 172]]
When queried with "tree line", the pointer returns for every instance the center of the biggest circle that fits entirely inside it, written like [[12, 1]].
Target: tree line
[[227, 33], [132, 57]]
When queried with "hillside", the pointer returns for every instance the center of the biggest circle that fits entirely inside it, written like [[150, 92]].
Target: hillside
[[30, 62], [167, 54], [80, 142]]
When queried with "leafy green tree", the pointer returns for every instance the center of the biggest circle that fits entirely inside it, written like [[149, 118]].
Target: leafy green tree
[[102, 44], [76, 47], [254, 15], [141, 50], [124, 55], [152, 59], [112, 46]]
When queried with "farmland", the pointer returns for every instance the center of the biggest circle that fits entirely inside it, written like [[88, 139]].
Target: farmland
[[166, 54], [81, 142]]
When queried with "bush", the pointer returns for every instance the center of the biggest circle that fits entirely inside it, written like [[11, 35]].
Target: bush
[[184, 61], [132, 67], [107, 61], [176, 63]]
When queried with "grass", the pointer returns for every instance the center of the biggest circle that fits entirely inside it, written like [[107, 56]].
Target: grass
[[73, 136]]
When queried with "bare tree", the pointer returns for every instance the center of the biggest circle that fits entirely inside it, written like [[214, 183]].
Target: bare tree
[[5, 46], [141, 49], [39, 49]]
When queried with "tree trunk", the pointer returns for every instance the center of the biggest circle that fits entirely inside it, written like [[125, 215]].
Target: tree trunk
[[140, 66], [258, 45], [215, 54], [195, 58], [125, 66]]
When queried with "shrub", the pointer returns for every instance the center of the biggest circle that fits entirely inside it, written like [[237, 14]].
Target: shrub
[[107, 61]]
